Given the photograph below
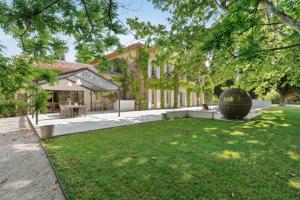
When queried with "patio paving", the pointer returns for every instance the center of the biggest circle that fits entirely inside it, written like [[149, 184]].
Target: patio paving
[[25, 171], [98, 120]]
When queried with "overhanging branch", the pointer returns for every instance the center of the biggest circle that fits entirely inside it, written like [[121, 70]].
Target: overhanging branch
[[283, 47], [88, 15], [286, 19]]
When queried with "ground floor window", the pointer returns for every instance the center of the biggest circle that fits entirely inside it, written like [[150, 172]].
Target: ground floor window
[[167, 98], [153, 99], [181, 98], [64, 97]]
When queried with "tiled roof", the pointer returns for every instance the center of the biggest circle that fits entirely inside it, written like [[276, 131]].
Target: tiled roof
[[126, 49], [64, 66], [115, 54]]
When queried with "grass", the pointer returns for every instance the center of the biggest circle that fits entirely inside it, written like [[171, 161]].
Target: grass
[[184, 159]]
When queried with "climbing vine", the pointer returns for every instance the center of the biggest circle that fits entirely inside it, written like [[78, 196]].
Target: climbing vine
[[134, 79]]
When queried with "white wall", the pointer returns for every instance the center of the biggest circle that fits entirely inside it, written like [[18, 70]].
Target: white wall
[[125, 105]]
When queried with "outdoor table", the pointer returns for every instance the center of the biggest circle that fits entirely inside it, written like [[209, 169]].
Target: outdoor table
[[76, 108]]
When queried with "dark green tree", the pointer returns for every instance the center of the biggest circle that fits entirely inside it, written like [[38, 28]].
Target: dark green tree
[[235, 36], [41, 28]]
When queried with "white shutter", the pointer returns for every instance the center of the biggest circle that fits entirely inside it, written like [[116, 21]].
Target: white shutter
[[171, 68], [149, 68], [185, 98], [149, 98], [158, 99], [172, 98], [149, 71], [157, 72]]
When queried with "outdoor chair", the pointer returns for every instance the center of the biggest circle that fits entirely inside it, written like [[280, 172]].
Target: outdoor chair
[[65, 111], [82, 111], [205, 107]]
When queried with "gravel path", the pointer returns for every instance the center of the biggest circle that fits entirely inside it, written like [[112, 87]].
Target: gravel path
[[25, 171]]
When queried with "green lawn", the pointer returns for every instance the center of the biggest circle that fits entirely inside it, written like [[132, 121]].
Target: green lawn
[[185, 159]]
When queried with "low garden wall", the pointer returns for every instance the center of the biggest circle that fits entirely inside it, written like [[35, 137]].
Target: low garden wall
[[190, 113]]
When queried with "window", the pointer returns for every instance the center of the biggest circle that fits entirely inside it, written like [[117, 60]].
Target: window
[[153, 72], [167, 98], [153, 97], [181, 95], [167, 69]]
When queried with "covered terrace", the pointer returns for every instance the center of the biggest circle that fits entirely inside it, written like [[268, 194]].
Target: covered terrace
[[85, 82]]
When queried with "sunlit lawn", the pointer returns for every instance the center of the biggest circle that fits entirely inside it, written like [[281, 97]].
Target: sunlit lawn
[[185, 159]]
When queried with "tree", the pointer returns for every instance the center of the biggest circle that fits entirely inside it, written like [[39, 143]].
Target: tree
[[40, 27], [254, 36], [18, 76]]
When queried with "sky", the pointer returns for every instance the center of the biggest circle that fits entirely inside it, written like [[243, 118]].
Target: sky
[[142, 9]]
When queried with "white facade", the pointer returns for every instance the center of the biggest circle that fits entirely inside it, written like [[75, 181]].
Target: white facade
[[154, 95]]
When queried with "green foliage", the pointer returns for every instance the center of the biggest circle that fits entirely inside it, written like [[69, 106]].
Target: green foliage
[[154, 83], [257, 38], [208, 89], [42, 28], [40, 101], [188, 97], [18, 75], [118, 65], [143, 58], [40, 25], [272, 96], [9, 107], [133, 86]]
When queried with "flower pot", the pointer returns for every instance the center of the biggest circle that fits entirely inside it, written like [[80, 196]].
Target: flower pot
[[47, 131]]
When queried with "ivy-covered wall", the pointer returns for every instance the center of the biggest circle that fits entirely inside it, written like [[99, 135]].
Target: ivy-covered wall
[[135, 82]]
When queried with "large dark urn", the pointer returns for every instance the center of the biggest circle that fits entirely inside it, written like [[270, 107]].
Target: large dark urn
[[235, 103]]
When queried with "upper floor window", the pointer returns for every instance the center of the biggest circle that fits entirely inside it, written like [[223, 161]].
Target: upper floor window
[[167, 69], [153, 72]]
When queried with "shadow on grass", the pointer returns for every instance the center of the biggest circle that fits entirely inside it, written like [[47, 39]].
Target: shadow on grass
[[184, 159]]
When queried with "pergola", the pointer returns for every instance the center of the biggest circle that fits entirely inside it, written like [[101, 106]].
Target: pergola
[[89, 79]]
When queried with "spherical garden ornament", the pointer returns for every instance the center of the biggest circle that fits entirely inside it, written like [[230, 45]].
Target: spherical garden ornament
[[235, 103]]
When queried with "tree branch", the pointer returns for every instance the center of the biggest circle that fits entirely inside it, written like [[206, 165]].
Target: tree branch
[[30, 17], [88, 15], [283, 47], [271, 24], [109, 14], [45, 8], [221, 4], [286, 19]]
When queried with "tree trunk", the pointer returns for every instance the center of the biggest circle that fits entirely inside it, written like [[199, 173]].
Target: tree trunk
[[282, 99], [286, 19]]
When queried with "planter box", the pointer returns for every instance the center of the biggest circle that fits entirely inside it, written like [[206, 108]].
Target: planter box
[[190, 113], [177, 114], [201, 114], [47, 131], [164, 116]]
